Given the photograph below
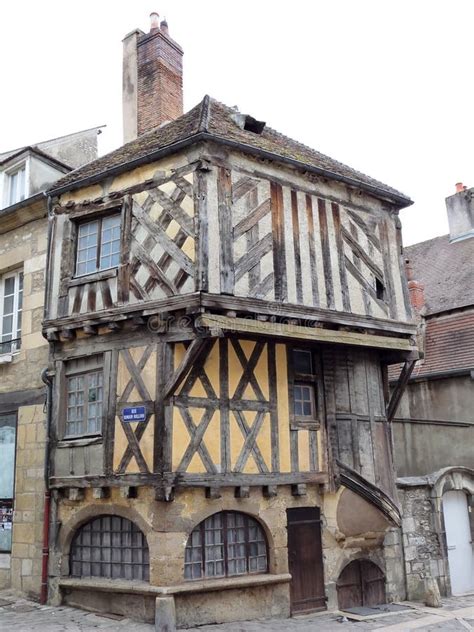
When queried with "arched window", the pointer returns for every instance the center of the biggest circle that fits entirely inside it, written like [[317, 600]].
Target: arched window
[[110, 546], [226, 544]]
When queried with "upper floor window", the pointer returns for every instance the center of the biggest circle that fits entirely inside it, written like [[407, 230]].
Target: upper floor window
[[98, 245], [84, 396], [227, 543], [303, 380], [11, 302], [112, 547], [16, 185]]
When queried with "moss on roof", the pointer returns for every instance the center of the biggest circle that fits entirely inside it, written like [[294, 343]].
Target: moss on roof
[[213, 119]]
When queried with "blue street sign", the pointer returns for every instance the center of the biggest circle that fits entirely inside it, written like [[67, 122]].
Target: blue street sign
[[137, 413]]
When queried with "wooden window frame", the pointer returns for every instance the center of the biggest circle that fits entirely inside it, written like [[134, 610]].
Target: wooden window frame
[[63, 373], [312, 380], [201, 528], [99, 218]]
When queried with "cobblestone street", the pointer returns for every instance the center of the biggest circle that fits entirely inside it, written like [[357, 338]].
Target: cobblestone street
[[20, 615]]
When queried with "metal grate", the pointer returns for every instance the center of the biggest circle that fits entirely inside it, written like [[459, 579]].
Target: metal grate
[[112, 547], [226, 544]]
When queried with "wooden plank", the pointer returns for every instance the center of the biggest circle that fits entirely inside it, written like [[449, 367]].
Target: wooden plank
[[91, 298], [252, 219], [248, 377], [362, 254], [365, 285], [197, 346], [196, 443], [242, 187], [326, 252], [202, 232], [163, 281], [369, 233], [291, 310], [77, 303], [253, 256], [174, 210], [250, 444], [107, 301], [312, 250], [399, 389], [135, 374], [282, 330], [123, 279], [294, 447], [160, 236], [278, 231], [296, 245], [110, 379], [224, 201], [133, 446], [223, 404], [387, 268], [336, 218], [260, 290], [185, 480], [273, 397], [401, 267]]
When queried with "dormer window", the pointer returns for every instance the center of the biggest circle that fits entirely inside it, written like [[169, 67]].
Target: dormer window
[[16, 185], [98, 245]]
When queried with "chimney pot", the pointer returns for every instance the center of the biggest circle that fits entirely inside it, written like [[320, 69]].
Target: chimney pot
[[459, 187], [164, 27], [154, 21]]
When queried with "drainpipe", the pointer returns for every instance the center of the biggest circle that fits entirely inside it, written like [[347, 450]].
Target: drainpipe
[[46, 378]]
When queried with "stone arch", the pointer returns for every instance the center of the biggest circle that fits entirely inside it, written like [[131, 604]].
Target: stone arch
[[226, 514]]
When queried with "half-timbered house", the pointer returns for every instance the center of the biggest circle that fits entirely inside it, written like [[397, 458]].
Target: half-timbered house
[[222, 306]]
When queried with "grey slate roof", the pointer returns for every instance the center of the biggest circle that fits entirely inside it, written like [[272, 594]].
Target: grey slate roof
[[211, 119], [446, 270]]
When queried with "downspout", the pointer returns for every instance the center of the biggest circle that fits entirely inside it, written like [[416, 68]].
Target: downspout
[[47, 494], [46, 378]]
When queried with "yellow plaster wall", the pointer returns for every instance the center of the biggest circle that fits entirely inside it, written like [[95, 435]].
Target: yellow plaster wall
[[212, 437]]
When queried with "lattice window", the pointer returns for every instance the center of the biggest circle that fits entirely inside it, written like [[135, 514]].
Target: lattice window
[[112, 547], [226, 544], [84, 396], [304, 392]]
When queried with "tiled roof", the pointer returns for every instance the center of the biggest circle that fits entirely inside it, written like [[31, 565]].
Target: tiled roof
[[449, 345], [446, 270], [212, 119]]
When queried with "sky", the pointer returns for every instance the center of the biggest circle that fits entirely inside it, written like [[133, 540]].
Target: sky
[[384, 86]]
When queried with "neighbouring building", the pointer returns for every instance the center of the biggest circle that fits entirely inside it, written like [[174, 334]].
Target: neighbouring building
[[222, 306], [25, 173], [434, 427]]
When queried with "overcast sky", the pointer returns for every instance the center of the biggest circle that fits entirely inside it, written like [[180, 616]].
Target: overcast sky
[[384, 86]]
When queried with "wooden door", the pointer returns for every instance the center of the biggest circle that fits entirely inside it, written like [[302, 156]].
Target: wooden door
[[361, 583], [305, 560]]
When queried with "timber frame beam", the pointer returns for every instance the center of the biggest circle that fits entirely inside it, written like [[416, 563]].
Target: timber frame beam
[[195, 350], [399, 389], [298, 332]]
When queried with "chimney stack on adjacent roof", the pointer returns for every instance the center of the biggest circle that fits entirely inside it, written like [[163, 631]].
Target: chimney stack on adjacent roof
[[415, 288], [460, 207], [152, 79]]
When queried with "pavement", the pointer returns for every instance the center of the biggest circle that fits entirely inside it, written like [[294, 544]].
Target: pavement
[[21, 615]]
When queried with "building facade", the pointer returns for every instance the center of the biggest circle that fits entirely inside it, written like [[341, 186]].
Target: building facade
[[222, 306], [434, 427], [24, 175]]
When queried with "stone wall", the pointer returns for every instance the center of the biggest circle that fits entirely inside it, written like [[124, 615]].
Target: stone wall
[[22, 391], [422, 545]]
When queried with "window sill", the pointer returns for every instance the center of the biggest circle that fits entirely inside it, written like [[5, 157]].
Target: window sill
[[70, 442], [199, 586], [102, 275]]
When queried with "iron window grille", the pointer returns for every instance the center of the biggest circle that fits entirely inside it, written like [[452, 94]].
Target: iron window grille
[[225, 545], [110, 547], [11, 307], [98, 245]]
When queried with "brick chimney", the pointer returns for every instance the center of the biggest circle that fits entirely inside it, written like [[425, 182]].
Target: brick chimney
[[152, 79], [415, 288], [460, 207]]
